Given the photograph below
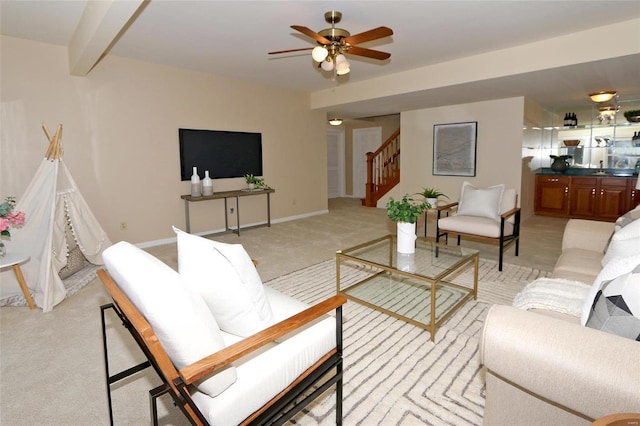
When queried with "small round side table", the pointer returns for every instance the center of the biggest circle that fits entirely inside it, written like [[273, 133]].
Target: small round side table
[[14, 260]]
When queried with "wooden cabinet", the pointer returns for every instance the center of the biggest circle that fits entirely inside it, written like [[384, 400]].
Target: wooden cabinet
[[634, 194], [587, 197], [552, 195]]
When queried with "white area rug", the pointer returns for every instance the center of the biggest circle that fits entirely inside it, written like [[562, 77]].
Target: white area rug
[[72, 284], [394, 375]]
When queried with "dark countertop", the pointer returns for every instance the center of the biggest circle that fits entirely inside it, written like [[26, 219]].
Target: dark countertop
[[579, 171]]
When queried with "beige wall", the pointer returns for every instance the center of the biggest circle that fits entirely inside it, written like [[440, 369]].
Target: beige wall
[[499, 146], [121, 137]]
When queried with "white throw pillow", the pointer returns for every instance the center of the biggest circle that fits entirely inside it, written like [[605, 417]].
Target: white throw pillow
[[482, 202], [613, 269], [180, 319], [624, 242], [227, 280]]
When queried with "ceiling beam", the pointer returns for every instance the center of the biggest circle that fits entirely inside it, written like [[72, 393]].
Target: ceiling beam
[[99, 28]]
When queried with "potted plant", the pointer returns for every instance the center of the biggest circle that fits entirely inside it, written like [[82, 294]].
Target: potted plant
[[405, 213], [431, 196], [252, 181]]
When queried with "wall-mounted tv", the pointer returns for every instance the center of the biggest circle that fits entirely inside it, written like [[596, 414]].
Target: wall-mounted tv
[[224, 154]]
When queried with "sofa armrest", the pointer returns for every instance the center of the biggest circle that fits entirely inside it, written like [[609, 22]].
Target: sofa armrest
[[226, 356], [587, 234], [585, 370]]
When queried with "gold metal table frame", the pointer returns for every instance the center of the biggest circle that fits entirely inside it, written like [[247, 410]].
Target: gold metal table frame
[[410, 282]]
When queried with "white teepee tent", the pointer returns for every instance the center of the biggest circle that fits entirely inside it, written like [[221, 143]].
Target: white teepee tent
[[55, 211]]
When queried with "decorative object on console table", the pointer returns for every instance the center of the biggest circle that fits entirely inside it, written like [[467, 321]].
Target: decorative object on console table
[[405, 213], [207, 184], [196, 189]]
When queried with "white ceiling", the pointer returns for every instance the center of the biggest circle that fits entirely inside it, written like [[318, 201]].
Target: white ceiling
[[233, 37]]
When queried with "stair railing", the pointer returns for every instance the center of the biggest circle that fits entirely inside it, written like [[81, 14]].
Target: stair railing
[[383, 169]]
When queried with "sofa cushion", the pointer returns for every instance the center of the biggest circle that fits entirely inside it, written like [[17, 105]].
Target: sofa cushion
[[616, 307], [482, 202], [180, 319], [578, 264], [263, 374], [612, 270], [624, 242], [474, 225], [627, 218], [227, 280]]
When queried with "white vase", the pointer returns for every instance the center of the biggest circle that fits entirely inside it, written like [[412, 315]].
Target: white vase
[[207, 184], [196, 189], [406, 262], [406, 237], [433, 202]]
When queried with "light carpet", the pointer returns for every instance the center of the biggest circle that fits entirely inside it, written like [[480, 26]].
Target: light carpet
[[394, 374]]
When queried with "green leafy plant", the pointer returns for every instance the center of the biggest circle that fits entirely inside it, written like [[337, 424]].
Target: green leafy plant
[[256, 181], [428, 193], [405, 210]]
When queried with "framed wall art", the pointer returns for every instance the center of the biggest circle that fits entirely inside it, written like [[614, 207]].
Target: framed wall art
[[454, 149]]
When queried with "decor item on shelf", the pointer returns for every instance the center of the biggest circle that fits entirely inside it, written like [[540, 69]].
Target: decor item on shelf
[[207, 184], [431, 196], [632, 116], [196, 188], [405, 213], [560, 163], [571, 142], [603, 96], [335, 121], [334, 42], [607, 113], [570, 119], [9, 218]]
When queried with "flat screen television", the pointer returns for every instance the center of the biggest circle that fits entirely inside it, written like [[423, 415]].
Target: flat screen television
[[224, 154]]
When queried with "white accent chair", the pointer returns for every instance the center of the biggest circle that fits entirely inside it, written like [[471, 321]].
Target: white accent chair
[[488, 214], [213, 376]]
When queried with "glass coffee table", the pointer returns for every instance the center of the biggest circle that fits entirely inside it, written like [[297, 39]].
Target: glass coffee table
[[415, 288]]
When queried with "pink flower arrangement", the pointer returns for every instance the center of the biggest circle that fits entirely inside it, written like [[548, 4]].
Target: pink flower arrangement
[[9, 218]]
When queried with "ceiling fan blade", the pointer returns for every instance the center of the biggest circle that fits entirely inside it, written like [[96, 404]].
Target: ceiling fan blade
[[369, 53], [277, 52], [373, 34], [314, 35]]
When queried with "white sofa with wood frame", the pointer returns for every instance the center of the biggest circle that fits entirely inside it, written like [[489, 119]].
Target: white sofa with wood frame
[[545, 367]]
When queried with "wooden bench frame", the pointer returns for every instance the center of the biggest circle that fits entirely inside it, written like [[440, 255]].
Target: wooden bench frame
[[312, 383]]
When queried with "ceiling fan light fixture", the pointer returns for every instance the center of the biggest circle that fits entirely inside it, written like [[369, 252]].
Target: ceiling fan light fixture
[[327, 65], [603, 96], [335, 121], [342, 65], [319, 53]]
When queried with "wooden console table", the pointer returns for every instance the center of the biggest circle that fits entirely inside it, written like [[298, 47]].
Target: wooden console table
[[226, 195]]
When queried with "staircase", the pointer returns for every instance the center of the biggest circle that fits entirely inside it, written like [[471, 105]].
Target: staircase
[[383, 170]]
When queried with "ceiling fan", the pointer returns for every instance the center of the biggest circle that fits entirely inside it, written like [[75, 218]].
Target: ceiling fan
[[334, 42]]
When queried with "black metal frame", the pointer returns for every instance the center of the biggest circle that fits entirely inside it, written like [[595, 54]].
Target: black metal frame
[[324, 376], [504, 242]]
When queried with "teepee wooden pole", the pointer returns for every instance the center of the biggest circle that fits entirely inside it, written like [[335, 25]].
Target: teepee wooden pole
[[54, 150]]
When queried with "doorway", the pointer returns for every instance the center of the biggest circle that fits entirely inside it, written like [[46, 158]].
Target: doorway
[[335, 163], [364, 140]]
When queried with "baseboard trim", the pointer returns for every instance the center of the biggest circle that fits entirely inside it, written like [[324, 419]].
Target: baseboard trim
[[164, 241]]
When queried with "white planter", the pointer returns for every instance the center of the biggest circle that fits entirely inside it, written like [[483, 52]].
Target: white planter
[[406, 237], [433, 202], [407, 262]]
